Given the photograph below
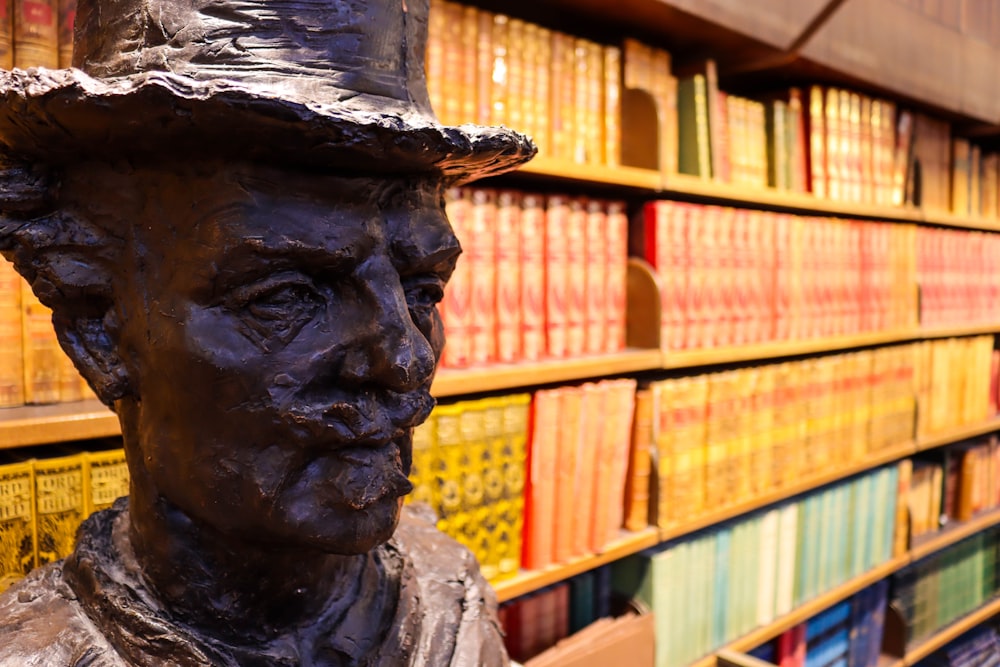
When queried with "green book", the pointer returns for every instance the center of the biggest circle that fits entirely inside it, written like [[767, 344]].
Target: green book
[[693, 152]]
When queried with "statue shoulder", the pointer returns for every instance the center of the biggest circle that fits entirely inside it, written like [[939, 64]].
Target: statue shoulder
[[43, 625], [460, 607]]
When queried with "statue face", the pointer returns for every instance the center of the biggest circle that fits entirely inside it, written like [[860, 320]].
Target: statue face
[[280, 334]]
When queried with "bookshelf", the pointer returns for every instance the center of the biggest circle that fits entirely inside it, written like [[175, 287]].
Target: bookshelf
[[953, 631], [806, 611], [532, 580], [735, 32]]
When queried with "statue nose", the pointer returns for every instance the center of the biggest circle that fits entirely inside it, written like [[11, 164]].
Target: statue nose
[[391, 351]]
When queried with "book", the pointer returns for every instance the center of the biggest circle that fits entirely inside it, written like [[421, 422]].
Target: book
[[60, 505], [42, 355], [11, 337], [6, 35], [17, 521], [36, 37], [106, 478], [637, 486]]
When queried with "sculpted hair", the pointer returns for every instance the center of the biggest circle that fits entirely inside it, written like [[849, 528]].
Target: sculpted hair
[[68, 260]]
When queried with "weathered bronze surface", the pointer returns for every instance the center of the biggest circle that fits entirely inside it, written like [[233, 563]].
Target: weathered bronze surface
[[235, 211]]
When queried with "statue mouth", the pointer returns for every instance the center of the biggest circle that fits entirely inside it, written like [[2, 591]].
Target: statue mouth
[[373, 471]]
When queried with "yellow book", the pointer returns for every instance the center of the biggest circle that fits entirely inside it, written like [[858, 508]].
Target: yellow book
[[106, 479], [11, 345], [42, 354], [611, 112], [493, 452], [17, 523], [761, 426], [661, 478], [59, 505], [422, 467], [513, 461], [472, 463], [36, 43], [448, 468]]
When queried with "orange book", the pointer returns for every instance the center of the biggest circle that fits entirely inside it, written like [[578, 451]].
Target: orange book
[[835, 131], [637, 484], [450, 111], [36, 40], [464, 81], [661, 451], [499, 72], [540, 495], [67, 15], [816, 130], [484, 67], [532, 284], [611, 112], [594, 110], [596, 307], [567, 475], [622, 405], [617, 275], [540, 95], [42, 354], [434, 65], [507, 241], [526, 81], [11, 337], [70, 389], [594, 409], [561, 114], [576, 277], [516, 34], [557, 215], [480, 249], [6, 35], [456, 307]]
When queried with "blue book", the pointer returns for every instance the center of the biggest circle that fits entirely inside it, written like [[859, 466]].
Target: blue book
[[723, 541]]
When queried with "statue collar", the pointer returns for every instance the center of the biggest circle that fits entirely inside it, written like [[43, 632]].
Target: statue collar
[[104, 574]]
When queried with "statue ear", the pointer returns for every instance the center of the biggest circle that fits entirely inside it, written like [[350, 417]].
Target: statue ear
[[92, 343]]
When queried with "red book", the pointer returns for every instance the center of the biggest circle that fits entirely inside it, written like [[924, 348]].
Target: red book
[[782, 279], [456, 307], [532, 284], [567, 474], [507, 240], [481, 250], [556, 275], [743, 285], [540, 491], [694, 304], [616, 263], [596, 311], [658, 217], [576, 269]]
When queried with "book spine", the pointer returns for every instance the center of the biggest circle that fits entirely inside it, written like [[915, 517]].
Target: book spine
[[456, 307], [533, 285], [576, 277], [59, 506], [516, 411], [42, 354], [596, 311], [612, 68], [17, 522], [556, 275], [6, 35], [65, 20], [616, 263], [481, 250], [11, 337], [568, 482], [507, 242], [36, 39], [106, 479]]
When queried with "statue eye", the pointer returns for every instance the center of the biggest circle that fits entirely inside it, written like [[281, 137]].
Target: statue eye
[[423, 293], [274, 310]]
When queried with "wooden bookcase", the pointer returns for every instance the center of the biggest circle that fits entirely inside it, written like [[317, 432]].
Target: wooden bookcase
[[749, 40]]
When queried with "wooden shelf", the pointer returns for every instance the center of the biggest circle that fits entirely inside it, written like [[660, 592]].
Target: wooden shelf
[[925, 545], [564, 170], [963, 222], [453, 382], [809, 609], [957, 434], [44, 424], [531, 580], [774, 349], [727, 193], [956, 629], [778, 495]]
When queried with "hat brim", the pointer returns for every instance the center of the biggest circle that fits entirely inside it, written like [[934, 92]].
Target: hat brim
[[65, 116]]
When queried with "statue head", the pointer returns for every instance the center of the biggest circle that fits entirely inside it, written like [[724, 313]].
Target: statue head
[[235, 212]]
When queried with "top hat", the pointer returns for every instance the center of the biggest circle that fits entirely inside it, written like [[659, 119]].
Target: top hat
[[330, 84]]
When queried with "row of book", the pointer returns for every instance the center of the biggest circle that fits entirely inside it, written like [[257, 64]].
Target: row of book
[[535, 622], [33, 367], [957, 276], [716, 440], [734, 276], [707, 590], [487, 68], [36, 33], [848, 634], [541, 277], [950, 484], [979, 647], [44, 499], [956, 382], [939, 589]]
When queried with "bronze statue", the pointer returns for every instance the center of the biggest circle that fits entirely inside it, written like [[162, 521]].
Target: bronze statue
[[235, 211]]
